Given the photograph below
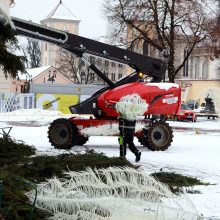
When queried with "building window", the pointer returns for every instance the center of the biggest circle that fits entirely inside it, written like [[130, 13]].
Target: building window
[[197, 68], [22, 88], [45, 46], [186, 65], [106, 63], [120, 65], [119, 75], [92, 60], [113, 77], [205, 70], [113, 64], [99, 62]]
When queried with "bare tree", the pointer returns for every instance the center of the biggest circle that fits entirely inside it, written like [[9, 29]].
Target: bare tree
[[214, 44], [32, 52], [161, 25], [75, 69]]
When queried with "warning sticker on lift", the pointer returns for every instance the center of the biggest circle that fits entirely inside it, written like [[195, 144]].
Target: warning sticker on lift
[[170, 100]]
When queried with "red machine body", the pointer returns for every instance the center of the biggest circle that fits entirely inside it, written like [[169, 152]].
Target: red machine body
[[162, 98], [155, 133]]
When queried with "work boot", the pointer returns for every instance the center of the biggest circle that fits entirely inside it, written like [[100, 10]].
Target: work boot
[[138, 156]]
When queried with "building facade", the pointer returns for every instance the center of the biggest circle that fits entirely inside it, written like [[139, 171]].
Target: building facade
[[45, 75], [60, 18], [200, 75]]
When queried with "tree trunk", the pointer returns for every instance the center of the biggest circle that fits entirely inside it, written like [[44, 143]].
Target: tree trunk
[[171, 67]]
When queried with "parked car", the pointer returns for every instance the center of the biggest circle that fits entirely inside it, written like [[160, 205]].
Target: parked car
[[192, 104], [185, 114]]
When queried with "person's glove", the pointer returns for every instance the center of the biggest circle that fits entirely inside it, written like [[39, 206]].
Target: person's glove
[[120, 140]]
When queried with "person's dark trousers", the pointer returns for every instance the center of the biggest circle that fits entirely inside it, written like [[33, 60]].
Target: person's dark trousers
[[129, 142], [127, 130]]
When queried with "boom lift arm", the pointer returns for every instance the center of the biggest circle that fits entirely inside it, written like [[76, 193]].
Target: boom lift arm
[[79, 45]]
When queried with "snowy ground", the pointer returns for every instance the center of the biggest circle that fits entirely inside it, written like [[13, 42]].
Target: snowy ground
[[195, 151]]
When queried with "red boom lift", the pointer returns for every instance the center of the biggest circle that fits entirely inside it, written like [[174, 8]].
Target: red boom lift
[[162, 98]]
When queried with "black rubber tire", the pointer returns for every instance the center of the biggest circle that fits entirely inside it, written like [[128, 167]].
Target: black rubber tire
[[175, 118], [157, 130], [143, 138], [159, 136], [81, 140], [62, 133]]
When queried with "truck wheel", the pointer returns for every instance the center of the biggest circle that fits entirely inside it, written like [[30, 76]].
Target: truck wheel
[[81, 140], [159, 136], [143, 138], [62, 133]]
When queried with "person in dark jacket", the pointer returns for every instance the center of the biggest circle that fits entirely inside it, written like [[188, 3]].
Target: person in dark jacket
[[126, 138]]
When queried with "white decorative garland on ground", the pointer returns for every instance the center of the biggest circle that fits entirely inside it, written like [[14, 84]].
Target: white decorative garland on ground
[[113, 194], [131, 106]]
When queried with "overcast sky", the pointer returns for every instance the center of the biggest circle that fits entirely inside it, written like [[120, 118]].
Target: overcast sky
[[90, 12]]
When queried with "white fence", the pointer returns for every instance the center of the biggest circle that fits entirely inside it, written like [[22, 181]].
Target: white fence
[[14, 101]]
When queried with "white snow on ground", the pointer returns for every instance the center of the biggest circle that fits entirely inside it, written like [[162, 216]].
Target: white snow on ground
[[194, 152]]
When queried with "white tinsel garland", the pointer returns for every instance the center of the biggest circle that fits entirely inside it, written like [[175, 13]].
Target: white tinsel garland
[[113, 194], [131, 106]]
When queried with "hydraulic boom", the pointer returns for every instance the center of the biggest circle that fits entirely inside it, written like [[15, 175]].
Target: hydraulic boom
[[79, 45]]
